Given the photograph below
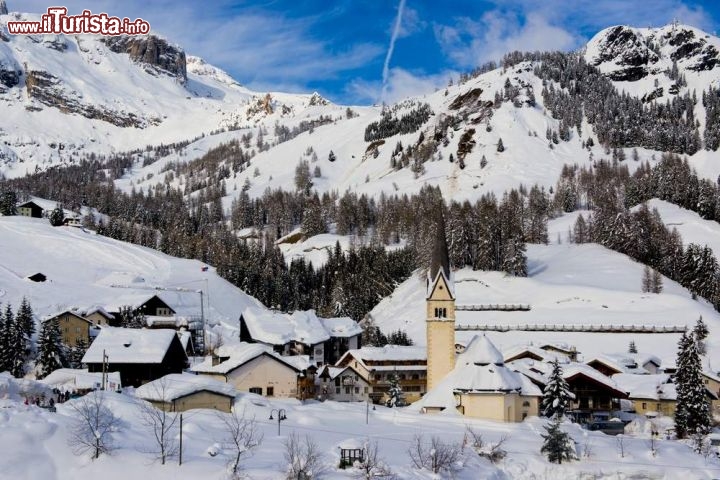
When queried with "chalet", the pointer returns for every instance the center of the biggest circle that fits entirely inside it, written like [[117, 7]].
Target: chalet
[[140, 355], [148, 305], [481, 386], [324, 340], [30, 209], [256, 368], [377, 366], [342, 384], [594, 392], [97, 315], [74, 329], [653, 395], [179, 393]]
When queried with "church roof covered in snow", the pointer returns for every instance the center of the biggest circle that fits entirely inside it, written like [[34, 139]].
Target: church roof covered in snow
[[478, 370]]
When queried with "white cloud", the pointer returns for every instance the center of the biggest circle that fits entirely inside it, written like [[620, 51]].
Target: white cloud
[[470, 43], [401, 84]]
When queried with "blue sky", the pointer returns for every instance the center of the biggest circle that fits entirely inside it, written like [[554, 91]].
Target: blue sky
[[340, 48]]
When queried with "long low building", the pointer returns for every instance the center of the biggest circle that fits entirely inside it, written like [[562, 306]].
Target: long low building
[[181, 392]]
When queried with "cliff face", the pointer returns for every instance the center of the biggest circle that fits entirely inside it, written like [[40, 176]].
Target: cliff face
[[156, 54]]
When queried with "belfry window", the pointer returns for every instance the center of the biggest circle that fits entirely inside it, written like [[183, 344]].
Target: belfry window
[[440, 312]]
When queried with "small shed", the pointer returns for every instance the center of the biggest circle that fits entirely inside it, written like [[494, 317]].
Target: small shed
[[351, 451], [37, 277]]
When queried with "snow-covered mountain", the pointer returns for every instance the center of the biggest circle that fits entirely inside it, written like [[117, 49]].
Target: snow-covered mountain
[[67, 96]]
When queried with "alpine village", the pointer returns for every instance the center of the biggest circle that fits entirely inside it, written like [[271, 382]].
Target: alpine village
[[509, 276]]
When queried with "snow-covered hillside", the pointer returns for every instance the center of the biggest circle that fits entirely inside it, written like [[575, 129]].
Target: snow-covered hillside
[[567, 284], [85, 270]]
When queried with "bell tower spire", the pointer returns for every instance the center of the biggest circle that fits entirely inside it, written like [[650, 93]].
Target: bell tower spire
[[440, 301]]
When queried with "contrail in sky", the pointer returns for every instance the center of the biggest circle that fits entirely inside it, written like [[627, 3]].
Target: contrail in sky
[[388, 57]]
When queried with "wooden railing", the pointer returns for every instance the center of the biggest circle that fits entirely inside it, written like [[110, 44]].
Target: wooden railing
[[574, 328], [494, 307]]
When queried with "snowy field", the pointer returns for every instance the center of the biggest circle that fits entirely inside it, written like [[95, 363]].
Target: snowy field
[[35, 445]]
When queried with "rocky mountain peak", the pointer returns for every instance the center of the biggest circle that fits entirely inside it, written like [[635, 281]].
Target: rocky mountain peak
[[629, 54], [3, 8]]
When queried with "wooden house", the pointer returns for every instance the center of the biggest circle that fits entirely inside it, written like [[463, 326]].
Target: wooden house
[[74, 328], [140, 355]]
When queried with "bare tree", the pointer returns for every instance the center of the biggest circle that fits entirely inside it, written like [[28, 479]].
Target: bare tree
[[437, 456], [372, 465], [620, 440], [93, 427], [161, 424], [305, 460], [492, 451], [240, 437]]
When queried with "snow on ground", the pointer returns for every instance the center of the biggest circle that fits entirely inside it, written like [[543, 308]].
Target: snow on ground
[[34, 443], [84, 269], [567, 284], [691, 226]]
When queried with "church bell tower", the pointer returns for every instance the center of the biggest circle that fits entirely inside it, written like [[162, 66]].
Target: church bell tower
[[440, 315]]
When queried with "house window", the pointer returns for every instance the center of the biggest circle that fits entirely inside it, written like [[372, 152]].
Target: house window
[[256, 390], [441, 313], [77, 329], [378, 377], [337, 391], [67, 320], [347, 390], [337, 380], [644, 405], [366, 389], [658, 407], [526, 404], [357, 389], [270, 391]]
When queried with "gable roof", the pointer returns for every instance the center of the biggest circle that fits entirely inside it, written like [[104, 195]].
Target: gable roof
[[274, 328], [177, 385], [30, 204], [367, 356], [240, 354], [130, 345], [518, 352], [575, 370], [341, 327], [66, 312]]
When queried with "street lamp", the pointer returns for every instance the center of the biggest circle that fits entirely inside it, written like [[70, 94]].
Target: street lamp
[[281, 415]]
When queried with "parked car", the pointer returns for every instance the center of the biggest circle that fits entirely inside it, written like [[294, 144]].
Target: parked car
[[607, 427]]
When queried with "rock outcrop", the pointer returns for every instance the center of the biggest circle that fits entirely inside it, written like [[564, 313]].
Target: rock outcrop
[[3, 8], [155, 53]]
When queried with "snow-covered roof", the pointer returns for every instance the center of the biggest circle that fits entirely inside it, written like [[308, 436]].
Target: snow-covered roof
[[479, 370], [81, 379], [542, 354], [240, 354], [367, 356], [650, 387], [341, 327], [130, 345], [178, 385], [276, 328], [626, 362], [575, 369], [481, 351], [63, 312]]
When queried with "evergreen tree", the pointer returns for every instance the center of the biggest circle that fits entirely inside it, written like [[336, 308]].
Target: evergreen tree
[[303, 180], [556, 396], [692, 413], [50, 349], [558, 446], [483, 161], [701, 332], [500, 146], [647, 281], [331, 156], [632, 348], [57, 216], [26, 323], [131, 318], [8, 202], [77, 353], [313, 222], [7, 345], [399, 337], [395, 393]]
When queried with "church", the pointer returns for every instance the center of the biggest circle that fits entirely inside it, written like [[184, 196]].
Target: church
[[476, 383]]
